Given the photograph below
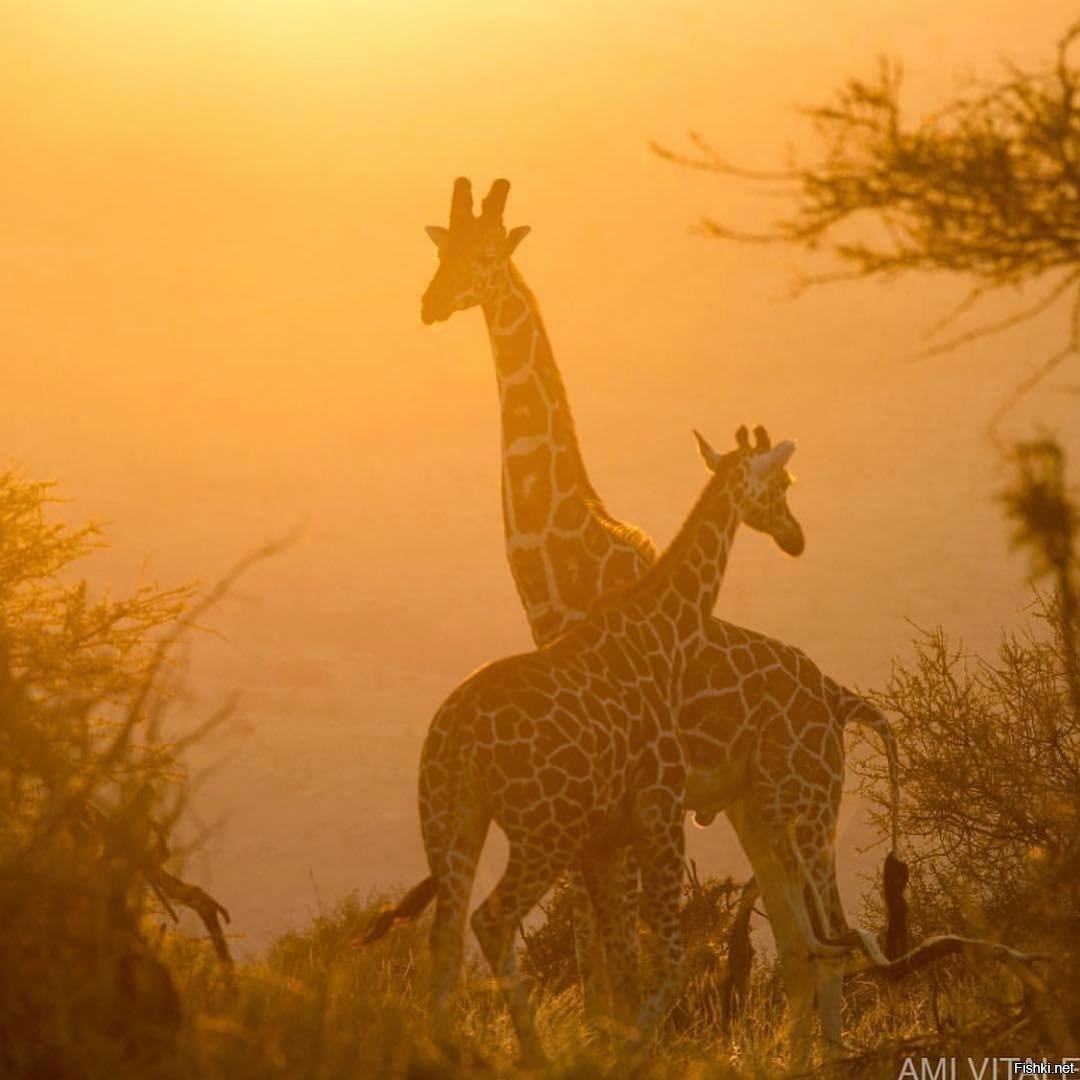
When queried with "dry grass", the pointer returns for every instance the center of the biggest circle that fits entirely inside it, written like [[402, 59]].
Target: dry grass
[[319, 1009]]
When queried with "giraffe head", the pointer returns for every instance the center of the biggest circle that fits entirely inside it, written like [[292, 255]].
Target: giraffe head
[[473, 252], [765, 505]]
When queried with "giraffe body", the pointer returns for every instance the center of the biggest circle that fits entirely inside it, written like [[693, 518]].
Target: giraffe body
[[573, 752], [762, 726]]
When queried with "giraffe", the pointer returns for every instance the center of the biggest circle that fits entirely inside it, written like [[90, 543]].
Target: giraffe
[[762, 724], [572, 750], [564, 549]]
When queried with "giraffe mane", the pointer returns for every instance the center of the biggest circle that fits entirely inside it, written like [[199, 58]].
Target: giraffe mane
[[624, 531], [673, 551]]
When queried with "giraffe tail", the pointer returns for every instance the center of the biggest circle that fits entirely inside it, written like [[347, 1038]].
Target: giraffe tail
[[895, 875], [409, 909], [859, 711], [446, 746]]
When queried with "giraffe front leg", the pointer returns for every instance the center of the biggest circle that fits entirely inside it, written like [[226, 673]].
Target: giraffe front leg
[[660, 856], [610, 874], [588, 949], [530, 872]]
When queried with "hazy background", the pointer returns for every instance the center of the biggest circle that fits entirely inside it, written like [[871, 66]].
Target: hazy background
[[211, 259]]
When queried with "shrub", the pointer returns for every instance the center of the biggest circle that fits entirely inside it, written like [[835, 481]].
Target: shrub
[[88, 790]]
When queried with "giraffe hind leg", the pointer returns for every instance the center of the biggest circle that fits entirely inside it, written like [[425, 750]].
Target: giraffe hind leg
[[830, 982], [812, 867], [588, 948], [805, 900], [610, 875], [454, 869], [530, 872], [661, 858], [797, 966]]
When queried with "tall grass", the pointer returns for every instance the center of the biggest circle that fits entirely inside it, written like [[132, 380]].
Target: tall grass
[[317, 1008]]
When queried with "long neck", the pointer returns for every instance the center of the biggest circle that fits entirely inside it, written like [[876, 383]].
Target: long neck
[[563, 550], [682, 587], [547, 498], [542, 463]]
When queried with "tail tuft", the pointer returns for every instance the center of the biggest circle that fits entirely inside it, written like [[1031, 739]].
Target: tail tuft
[[410, 907], [895, 877]]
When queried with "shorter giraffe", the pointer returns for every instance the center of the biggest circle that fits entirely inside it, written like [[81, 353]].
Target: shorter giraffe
[[573, 752]]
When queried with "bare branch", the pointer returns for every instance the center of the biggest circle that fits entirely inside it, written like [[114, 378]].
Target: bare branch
[[1007, 323], [988, 187]]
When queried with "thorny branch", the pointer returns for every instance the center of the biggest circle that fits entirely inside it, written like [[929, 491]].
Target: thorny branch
[[987, 188]]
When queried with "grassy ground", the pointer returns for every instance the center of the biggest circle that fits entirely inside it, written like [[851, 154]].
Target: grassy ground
[[318, 1008]]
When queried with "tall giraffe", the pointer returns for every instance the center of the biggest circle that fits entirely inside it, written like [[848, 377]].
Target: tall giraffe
[[565, 550], [763, 726], [572, 750]]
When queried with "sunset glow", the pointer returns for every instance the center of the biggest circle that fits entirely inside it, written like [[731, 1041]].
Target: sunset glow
[[212, 256]]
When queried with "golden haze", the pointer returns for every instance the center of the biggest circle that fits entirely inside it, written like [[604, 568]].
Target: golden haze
[[211, 265]]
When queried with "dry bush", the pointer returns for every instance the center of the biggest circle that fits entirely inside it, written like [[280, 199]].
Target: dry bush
[[990, 764], [88, 793], [983, 188]]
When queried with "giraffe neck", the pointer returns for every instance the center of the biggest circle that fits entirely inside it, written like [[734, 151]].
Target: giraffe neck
[[564, 549], [537, 426], [683, 586]]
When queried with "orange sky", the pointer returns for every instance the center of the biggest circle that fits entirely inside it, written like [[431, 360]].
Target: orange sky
[[211, 265]]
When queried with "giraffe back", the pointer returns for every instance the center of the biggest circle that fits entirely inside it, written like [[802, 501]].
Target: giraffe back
[[556, 742]]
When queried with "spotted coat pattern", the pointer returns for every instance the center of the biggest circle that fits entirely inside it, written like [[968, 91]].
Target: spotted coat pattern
[[762, 725], [572, 750]]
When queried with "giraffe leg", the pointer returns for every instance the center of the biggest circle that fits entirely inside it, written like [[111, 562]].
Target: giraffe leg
[[608, 873], [454, 869], [818, 859], [530, 871], [800, 847], [797, 966], [661, 858], [830, 997], [588, 948], [811, 881]]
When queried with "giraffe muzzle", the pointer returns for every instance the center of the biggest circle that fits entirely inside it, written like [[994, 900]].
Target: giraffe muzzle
[[793, 542], [432, 312]]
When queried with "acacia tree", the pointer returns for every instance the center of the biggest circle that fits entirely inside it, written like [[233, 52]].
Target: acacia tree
[[990, 763], [89, 791], [987, 187]]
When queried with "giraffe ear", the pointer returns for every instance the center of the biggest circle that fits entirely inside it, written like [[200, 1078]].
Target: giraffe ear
[[514, 237], [782, 453], [712, 458], [772, 461], [437, 235]]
